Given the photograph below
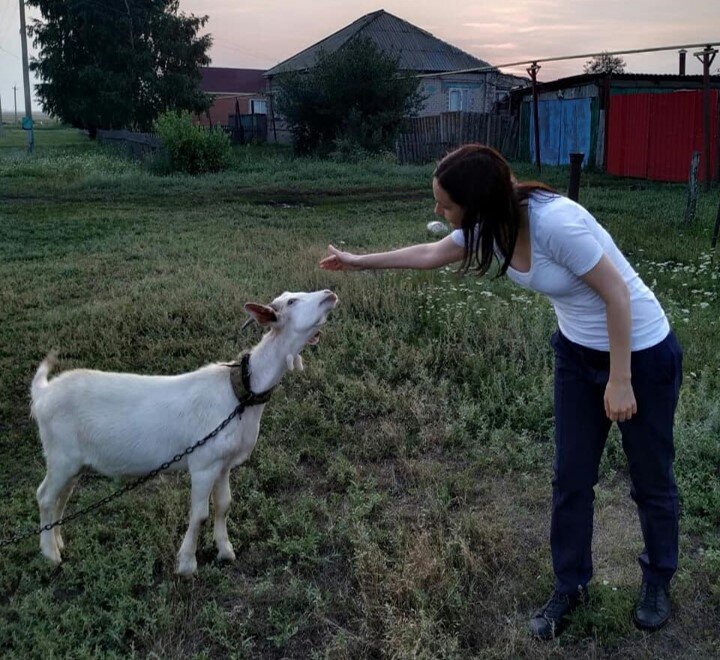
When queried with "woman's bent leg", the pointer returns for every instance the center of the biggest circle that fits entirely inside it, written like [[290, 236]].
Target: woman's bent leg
[[581, 429]]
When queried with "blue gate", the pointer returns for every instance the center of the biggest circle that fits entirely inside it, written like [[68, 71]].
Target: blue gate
[[564, 128]]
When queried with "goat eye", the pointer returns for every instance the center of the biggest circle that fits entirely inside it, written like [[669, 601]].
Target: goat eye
[[291, 301]]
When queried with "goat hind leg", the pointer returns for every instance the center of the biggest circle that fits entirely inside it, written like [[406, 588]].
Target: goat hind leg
[[56, 480], [61, 503], [202, 484], [221, 500]]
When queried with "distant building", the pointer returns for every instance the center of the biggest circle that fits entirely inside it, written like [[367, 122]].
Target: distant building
[[418, 52], [241, 91]]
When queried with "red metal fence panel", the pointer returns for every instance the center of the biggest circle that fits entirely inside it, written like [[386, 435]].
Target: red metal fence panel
[[653, 136], [628, 134]]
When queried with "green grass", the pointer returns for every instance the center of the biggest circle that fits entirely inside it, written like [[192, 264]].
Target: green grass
[[397, 503]]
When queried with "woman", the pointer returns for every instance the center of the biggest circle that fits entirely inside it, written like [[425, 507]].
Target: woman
[[616, 359]]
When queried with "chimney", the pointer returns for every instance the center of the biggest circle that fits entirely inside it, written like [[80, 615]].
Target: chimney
[[682, 61]]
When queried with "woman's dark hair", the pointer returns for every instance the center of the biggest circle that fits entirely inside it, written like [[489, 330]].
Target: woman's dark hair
[[478, 179]]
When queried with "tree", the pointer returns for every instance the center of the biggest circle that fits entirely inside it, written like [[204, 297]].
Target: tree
[[355, 95], [605, 63], [117, 64]]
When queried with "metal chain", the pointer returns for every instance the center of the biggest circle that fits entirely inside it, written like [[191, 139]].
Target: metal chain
[[239, 409]]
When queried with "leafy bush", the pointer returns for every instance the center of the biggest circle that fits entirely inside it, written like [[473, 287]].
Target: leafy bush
[[348, 150], [188, 147], [356, 94]]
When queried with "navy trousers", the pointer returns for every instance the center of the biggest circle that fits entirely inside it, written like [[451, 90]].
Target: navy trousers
[[581, 429]]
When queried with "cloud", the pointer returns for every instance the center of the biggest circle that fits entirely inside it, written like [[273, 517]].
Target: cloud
[[552, 28], [486, 26], [506, 46]]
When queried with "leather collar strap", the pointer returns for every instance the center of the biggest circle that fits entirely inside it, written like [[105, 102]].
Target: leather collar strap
[[240, 381]]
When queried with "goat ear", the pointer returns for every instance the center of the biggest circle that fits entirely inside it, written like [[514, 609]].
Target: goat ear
[[261, 313]]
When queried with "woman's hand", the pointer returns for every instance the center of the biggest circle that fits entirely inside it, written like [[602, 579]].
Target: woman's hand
[[338, 260], [620, 404]]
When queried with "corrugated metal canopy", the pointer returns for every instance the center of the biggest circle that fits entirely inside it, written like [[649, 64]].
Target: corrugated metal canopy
[[617, 79], [416, 49]]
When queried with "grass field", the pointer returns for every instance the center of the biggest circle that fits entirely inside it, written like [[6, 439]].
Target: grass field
[[397, 504]]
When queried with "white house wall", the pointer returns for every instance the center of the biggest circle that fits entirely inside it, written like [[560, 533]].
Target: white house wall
[[478, 93]]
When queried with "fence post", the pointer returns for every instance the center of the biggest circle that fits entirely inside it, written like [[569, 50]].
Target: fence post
[[532, 71], [692, 188], [576, 160]]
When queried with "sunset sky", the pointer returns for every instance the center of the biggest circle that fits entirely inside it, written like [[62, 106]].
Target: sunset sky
[[258, 34]]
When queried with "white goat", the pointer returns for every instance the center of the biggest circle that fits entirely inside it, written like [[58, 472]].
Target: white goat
[[127, 424]]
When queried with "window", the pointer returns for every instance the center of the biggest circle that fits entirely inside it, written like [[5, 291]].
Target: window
[[258, 107], [459, 99], [455, 100]]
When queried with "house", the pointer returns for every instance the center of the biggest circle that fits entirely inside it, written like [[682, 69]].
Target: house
[[418, 53], [636, 125], [234, 91]]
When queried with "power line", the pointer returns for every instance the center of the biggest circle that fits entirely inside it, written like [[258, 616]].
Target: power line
[[495, 67], [4, 50], [226, 44]]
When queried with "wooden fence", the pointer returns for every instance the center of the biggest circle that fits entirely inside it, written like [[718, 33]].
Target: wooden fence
[[246, 128], [137, 145], [429, 138]]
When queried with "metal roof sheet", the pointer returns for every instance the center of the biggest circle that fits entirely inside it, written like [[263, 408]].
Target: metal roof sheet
[[416, 49], [670, 80]]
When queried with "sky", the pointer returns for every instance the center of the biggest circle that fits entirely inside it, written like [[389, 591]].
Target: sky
[[257, 34]]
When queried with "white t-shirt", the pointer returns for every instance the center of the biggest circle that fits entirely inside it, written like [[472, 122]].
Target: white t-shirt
[[566, 242]]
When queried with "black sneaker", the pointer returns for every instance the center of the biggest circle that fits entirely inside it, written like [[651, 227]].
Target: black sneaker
[[652, 610], [550, 620]]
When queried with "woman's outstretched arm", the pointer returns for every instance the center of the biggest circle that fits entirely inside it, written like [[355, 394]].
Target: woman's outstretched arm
[[422, 256]]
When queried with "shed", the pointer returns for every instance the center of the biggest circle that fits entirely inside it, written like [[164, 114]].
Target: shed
[[636, 125]]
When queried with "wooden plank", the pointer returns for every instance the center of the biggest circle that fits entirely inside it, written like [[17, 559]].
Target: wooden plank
[[428, 138]]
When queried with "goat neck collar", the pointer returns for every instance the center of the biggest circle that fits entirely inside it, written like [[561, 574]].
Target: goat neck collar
[[240, 381]]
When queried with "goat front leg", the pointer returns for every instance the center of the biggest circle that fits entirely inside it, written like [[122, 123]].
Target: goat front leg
[[202, 484], [221, 500]]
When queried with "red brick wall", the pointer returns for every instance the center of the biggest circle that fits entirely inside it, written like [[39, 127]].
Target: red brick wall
[[222, 107]]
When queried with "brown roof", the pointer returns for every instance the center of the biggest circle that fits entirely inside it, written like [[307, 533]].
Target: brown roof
[[223, 80]]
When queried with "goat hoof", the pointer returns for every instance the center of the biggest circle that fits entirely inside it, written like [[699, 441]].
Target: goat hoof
[[53, 557], [187, 567], [226, 554]]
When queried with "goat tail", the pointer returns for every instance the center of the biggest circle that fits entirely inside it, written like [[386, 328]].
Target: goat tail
[[40, 380]]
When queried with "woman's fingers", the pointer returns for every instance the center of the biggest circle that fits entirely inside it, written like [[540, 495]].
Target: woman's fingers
[[330, 264], [331, 261], [620, 403], [336, 259]]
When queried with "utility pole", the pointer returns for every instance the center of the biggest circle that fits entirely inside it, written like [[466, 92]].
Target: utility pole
[[15, 97], [532, 71], [706, 56], [27, 120]]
